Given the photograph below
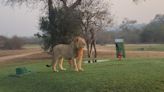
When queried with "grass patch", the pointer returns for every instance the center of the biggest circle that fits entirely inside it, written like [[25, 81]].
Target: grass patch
[[27, 46], [132, 75], [139, 47], [145, 47]]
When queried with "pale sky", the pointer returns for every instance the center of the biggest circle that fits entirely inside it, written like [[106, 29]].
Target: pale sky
[[143, 12], [24, 22]]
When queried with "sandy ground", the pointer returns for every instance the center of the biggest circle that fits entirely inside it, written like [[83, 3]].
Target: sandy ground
[[108, 54], [11, 57], [103, 53]]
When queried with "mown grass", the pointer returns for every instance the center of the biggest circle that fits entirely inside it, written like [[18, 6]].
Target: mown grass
[[140, 47], [131, 75], [27, 46], [145, 47]]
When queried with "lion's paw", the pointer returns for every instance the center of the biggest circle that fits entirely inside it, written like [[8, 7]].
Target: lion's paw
[[81, 69], [76, 70], [63, 69], [56, 70]]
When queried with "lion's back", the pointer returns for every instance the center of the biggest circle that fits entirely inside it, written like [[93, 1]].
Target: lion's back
[[62, 50]]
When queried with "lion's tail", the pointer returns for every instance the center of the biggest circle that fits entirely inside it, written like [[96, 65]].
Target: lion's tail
[[48, 65]]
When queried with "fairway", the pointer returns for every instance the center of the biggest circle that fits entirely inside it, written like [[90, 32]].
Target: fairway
[[131, 75]]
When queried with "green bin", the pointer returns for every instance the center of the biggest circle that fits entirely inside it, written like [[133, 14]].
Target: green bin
[[21, 70], [120, 48]]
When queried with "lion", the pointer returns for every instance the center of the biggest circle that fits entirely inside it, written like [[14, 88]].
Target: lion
[[72, 52], [79, 58]]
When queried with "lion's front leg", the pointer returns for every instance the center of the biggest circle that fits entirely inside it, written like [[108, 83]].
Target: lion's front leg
[[79, 65], [75, 64], [80, 59]]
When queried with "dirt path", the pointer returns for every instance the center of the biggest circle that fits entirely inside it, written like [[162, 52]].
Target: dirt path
[[6, 58], [102, 53]]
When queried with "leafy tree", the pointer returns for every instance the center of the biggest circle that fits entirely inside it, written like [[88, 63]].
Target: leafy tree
[[129, 32], [60, 23], [62, 28], [154, 31]]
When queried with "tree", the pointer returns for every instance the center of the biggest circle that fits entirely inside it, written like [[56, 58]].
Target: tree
[[3, 40], [130, 32], [59, 23], [93, 11], [137, 1], [105, 37], [153, 32], [94, 17], [11, 43]]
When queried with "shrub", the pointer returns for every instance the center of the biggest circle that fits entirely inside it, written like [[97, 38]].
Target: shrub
[[12, 43]]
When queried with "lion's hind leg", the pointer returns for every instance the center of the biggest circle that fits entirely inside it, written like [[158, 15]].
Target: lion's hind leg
[[70, 62], [61, 64], [54, 64]]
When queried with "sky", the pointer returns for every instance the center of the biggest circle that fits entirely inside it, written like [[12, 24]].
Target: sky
[[22, 21], [143, 12]]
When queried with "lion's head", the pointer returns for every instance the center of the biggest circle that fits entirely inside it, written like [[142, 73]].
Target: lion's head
[[79, 42]]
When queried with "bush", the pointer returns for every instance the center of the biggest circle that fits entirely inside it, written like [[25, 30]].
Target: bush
[[12, 43]]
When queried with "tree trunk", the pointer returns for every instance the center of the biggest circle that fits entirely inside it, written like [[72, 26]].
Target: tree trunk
[[88, 51], [95, 51], [50, 12], [93, 47], [93, 44], [74, 5]]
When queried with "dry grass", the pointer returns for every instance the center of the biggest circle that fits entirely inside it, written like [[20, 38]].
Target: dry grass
[[104, 52], [133, 51], [15, 52], [108, 55], [26, 49]]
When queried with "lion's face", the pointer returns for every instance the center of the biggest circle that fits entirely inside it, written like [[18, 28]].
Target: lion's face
[[79, 42]]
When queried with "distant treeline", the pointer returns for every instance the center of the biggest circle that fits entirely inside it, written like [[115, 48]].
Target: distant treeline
[[152, 32], [16, 42]]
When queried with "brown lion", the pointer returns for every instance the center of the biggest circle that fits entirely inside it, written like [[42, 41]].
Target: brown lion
[[79, 58], [72, 52]]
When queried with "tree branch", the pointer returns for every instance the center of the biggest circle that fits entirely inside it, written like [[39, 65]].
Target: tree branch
[[78, 2], [64, 3]]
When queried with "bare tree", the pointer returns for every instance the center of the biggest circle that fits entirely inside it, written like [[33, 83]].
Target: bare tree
[[95, 16]]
